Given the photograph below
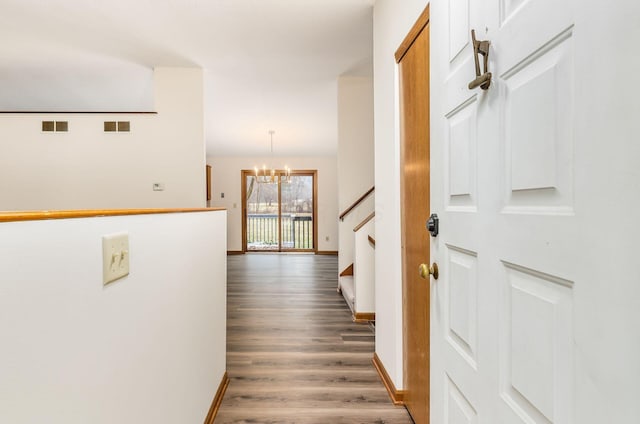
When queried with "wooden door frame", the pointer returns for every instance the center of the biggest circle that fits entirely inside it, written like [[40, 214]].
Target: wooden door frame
[[310, 172], [409, 269]]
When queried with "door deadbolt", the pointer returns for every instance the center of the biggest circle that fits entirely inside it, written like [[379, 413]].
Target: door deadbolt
[[433, 224]]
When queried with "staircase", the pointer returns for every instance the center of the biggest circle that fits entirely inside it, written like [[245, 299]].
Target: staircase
[[356, 280]]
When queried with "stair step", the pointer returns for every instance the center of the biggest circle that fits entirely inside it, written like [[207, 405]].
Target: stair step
[[346, 284]]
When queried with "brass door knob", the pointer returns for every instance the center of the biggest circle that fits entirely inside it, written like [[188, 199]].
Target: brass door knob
[[426, 270]]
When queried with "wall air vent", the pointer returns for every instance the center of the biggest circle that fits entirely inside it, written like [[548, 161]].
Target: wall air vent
[[120, 126], [57, 126], [109, 126]]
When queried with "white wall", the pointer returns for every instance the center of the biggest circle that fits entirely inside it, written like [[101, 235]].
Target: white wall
[[226, 178], [355, 157], [364, 269], [146, 349], [87, 168], [392, 21], [355, 138]]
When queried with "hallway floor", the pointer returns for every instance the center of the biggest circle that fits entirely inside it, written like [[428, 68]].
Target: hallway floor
[[294, 354]]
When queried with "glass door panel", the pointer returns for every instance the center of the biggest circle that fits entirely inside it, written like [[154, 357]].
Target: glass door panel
[[297, 212], [262, 209]]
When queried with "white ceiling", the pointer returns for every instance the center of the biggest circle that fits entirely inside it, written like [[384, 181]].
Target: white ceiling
[[269, 64]]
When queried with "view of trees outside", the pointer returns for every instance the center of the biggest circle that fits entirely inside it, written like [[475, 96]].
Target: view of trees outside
[[297, 212]]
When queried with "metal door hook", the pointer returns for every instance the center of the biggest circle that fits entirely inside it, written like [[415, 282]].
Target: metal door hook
[[480, 48]]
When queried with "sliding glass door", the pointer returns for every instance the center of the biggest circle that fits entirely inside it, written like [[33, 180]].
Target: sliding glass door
[[296, 212], [261, 214], [279, 211]]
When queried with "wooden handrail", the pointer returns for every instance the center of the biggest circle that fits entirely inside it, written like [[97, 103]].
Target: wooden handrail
[[348, 271], [71, 112], [372, 241], [356, 203], [364, 221], [70, 214]]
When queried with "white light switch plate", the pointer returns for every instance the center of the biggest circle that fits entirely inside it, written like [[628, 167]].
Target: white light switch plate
[[115, 257]]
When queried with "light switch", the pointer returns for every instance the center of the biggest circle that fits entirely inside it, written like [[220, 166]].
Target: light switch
[[115, 257]]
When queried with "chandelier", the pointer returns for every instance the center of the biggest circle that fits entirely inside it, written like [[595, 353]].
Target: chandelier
[[268, 175]]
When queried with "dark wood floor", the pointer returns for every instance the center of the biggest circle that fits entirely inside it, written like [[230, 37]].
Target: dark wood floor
[[294, 354]]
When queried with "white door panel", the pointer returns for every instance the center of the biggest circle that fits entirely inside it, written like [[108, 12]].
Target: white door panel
[[536, 352], [461, 176], [535, 316]]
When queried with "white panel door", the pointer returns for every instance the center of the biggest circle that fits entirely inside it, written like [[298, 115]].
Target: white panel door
[[529, 325]]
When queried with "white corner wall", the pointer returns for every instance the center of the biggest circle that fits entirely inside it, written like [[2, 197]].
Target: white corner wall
[[226, 172], [392, 21], [364, 269], [86, 168], [355, 158], [149, 348], [355, 138]]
